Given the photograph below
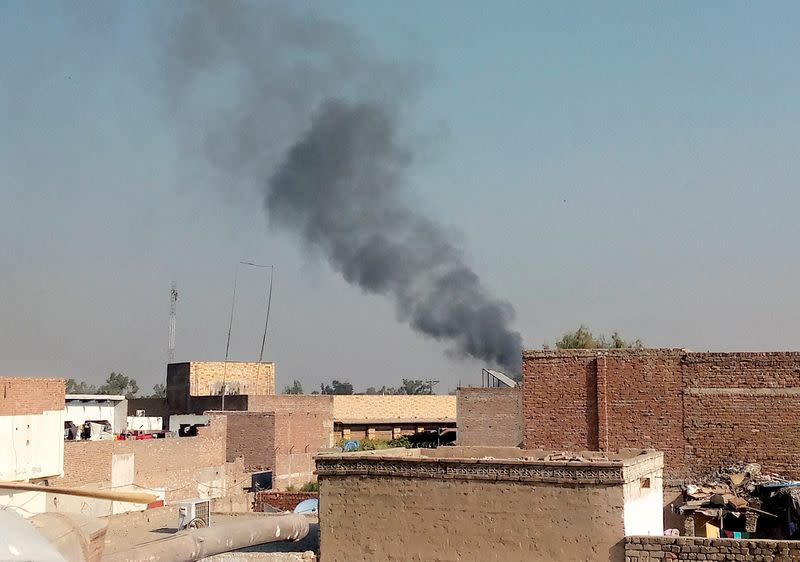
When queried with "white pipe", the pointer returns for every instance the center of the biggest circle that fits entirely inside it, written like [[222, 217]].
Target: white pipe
[[194, 544]]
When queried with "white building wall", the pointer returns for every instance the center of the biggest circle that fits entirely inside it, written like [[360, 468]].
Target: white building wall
[[31, 447], [175, 421], [644, 505], [113, 411], [142, 423]]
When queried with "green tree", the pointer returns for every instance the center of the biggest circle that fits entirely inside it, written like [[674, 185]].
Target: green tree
[[159, 391], [294, 388], [583, 338], [118, 383], [336, 387], [82, 387], [416, 386]]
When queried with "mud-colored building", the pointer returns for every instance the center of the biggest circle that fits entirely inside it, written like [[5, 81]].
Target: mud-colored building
[[486, 503]]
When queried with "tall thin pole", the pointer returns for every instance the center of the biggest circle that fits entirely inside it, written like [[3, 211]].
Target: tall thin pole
[[173, 300], [266, 322], [228, 344]]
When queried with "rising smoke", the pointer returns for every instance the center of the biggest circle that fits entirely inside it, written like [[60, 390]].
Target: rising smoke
[[339, 184]]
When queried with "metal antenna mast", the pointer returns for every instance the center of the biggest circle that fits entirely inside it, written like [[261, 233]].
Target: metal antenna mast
[[173, 301]]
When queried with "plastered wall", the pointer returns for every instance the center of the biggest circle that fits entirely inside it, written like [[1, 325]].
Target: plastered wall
[[376, 518]]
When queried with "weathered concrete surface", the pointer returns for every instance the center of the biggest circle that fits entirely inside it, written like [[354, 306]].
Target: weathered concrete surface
[[413, 506], [239, 556]]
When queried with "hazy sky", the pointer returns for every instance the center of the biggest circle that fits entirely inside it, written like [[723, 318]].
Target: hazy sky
[[630, 166]]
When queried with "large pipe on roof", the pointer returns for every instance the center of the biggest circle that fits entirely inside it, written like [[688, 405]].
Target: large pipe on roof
[[102, 494], [194, 544]]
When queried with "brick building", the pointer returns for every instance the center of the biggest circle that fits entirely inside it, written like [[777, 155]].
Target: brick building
[[282, 434], [484, 504], [204, 378], [701, 409]]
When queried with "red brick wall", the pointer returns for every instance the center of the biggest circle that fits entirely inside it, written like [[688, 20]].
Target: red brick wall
[[559, 397], [302, 425], [20, 396], [299, 436], [742, 406], [489, 416], [642, 406], [251, 435], [282, 501], [701, 409]]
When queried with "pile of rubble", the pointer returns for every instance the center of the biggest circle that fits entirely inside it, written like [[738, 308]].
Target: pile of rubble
[[734, 487]]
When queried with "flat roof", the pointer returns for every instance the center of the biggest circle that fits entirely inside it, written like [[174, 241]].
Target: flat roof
[[98, 397], [496, 463], [390, 421]]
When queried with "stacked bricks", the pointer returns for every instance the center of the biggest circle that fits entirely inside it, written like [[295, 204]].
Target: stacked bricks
[[21, 396], [702, 409], [251, 435], [208, 378], [489, 416], [400, 407], [281, 501], [658, 549]]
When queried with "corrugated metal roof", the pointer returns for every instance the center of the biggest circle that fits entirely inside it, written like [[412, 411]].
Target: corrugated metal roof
[[502, 377]]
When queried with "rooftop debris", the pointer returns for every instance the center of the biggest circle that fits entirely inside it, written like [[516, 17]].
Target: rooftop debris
[[740, 488]]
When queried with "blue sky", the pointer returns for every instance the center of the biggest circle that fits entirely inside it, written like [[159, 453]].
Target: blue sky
[[630, 166]]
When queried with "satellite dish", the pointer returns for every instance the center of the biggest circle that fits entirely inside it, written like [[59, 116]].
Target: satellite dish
[[308, 507]]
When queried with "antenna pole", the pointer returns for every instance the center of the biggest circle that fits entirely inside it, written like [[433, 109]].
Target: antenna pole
[[266, 322], [228, 344], [173, 301]]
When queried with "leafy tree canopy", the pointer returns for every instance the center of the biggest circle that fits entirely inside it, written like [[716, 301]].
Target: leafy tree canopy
[[294, 388], [583, 338]]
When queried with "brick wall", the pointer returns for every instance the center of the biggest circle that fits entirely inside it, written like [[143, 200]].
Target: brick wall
[[303, 426], [208, 378], [24, 396], [489, 416], [282, 501], [299, 435], [422, 406], [658, 549], [701, 409], [251, 435], [186, 467]]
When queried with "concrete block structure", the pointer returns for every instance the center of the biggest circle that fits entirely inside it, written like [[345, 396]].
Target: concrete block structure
[[486, 504], [702, 409], [31, 438], [490, 416], [94, 407], [204, 378]]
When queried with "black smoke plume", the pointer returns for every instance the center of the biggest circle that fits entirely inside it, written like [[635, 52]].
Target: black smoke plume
[[340, 184]]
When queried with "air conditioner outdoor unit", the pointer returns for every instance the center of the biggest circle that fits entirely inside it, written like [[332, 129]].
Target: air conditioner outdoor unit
[[194, 514]]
